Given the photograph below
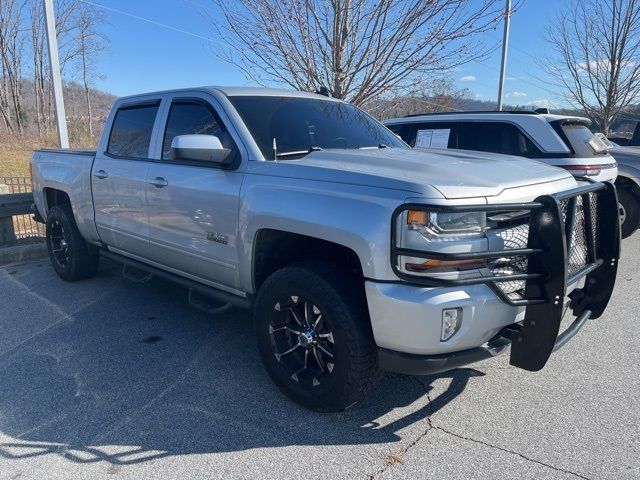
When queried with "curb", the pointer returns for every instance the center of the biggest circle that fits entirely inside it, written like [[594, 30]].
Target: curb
[[19, 253]]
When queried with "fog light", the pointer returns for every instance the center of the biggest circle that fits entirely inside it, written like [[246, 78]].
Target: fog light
[[451, 321]]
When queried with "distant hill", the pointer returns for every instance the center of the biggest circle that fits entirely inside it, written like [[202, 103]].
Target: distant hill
[[74, 102]]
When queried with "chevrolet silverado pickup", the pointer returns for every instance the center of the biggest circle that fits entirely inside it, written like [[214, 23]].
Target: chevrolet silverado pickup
[[355, 252]]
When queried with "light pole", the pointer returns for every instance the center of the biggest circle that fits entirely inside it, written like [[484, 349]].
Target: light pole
[[54, 61], [505, 42]]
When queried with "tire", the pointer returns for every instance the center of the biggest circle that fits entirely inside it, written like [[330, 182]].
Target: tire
[[629, 211], [340, 352], [70, 256]]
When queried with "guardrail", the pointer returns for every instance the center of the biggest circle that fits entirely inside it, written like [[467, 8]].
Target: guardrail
[[16, 224]]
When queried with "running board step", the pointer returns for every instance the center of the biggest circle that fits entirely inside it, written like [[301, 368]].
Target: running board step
[[220, 296], [207, 303], [135, 274]]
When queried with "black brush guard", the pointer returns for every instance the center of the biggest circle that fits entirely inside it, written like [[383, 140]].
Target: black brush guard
[[571, 235]]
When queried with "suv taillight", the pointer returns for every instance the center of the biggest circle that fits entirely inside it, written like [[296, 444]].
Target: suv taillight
[[585, 170]]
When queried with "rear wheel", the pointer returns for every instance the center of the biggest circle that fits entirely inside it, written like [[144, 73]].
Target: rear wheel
[[629, 211], [71, 257], [314, 336]]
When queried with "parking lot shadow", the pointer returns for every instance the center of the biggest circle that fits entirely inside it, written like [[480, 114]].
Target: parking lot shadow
[[136, 374]]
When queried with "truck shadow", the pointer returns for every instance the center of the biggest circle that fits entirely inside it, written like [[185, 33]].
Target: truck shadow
[[137, 375]]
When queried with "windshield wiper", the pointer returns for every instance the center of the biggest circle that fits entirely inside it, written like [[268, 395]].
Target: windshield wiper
[[373, 147], [297, 152]]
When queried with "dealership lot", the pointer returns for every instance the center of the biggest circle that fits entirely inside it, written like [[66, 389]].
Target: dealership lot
[[111, 379]]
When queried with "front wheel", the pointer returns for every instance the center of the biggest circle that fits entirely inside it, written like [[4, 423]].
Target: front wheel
[[314, 336], [629, 211], [71, 257]]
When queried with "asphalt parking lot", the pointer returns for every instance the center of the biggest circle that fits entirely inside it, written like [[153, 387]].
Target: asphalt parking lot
[[110, 379]]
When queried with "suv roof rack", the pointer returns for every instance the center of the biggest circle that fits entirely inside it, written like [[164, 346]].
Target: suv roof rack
[[520, 112]]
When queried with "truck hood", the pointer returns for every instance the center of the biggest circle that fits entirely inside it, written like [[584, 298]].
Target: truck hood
[[429, 173]]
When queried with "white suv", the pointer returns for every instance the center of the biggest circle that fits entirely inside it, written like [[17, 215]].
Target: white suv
[[558, 140]]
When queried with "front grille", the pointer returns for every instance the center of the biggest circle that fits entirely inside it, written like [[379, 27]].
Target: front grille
[[512, 237], [579, 254], [579, 219]]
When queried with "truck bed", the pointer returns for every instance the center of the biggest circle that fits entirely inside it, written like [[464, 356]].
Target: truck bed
[[69, 171]]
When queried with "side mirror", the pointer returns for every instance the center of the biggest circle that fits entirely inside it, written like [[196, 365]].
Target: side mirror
[[203, 148]]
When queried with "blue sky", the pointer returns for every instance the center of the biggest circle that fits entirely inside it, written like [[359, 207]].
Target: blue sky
[[173, 47]]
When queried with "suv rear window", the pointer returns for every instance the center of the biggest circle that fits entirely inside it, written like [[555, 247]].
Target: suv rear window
[[580, 139], [131, 131]]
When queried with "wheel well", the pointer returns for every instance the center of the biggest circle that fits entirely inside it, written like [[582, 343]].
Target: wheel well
[[624, 182], [56, 197], [275, 249]]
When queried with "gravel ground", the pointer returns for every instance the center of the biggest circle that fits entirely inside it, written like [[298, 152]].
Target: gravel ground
[[110, 379]]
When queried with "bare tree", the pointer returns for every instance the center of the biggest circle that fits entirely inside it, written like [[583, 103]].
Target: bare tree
[[89, 42], [355, 49], [12, 40], [598, 45], [69, 16], [40, 64], [436, 95]]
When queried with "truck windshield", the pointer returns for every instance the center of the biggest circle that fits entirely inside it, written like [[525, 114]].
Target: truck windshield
[[300, 125]]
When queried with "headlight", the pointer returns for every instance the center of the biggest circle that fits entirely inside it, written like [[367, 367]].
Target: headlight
[[452, 232], [447, 226]]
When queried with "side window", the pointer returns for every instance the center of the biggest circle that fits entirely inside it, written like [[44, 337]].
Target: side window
[[399, 129], [496, 137], [193, 117], [131, 131], [434, 135]]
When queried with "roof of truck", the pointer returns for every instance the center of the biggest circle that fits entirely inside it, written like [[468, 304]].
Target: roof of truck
[[238, 91]]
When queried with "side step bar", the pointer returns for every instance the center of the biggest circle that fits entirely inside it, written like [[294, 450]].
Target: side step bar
[[220, 295]]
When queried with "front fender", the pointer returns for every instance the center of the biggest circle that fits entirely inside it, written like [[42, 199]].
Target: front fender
[[628, 166], [355, 217]]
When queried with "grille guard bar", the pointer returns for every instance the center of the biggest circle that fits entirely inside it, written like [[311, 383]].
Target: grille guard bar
[[547, 276]]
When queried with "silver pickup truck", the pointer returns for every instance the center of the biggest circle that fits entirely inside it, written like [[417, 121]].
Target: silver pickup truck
[[355, 252]]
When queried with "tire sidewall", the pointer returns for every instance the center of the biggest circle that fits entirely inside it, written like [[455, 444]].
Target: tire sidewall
[[80, 264], [330, 395], [630, 203]]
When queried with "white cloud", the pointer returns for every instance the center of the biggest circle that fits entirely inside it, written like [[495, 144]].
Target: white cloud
[[603, 65], [468, 78], [478, 95], [516, 95], [542, 103]]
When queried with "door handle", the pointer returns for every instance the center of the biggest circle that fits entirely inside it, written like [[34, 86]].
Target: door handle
[[101, 174], [159, 182]]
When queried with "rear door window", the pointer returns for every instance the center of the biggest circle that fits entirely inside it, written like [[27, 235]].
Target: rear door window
[[496, 137], [433, 135], [131, 131]]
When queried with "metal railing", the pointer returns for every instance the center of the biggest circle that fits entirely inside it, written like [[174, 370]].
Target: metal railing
[[16, 222]]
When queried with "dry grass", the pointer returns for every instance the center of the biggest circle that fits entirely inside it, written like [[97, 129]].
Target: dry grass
[[16, 149], [15, 152]]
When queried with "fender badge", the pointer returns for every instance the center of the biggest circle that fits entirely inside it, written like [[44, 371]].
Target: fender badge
[[218, 238]]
